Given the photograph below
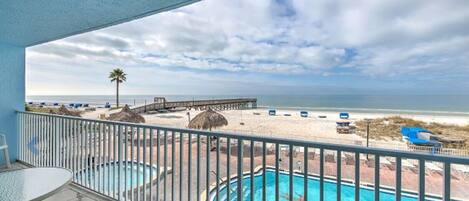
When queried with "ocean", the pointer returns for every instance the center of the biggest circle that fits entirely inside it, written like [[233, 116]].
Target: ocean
[[433, 104]]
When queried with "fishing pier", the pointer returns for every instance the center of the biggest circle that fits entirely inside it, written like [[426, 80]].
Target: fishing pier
[[160, 103]]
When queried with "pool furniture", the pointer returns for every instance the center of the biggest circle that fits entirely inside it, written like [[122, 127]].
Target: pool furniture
[[406, 164], [322, 116], [419, 136], [107, 105], [287, 115], [33, 183], [344, 127], [272, 112], [4, 148], [344, 115], [304, 114], [433, 168]]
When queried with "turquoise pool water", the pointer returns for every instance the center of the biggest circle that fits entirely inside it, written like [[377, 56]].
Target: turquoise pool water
[[347, 190], [109, 176]]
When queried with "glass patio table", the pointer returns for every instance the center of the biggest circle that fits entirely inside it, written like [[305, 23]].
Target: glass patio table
[[33, 183]]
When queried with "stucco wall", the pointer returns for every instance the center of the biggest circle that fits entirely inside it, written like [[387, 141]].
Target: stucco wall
[[12, 92]]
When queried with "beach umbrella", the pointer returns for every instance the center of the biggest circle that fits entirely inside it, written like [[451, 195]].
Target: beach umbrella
[[64, 111], [207, 120], [126, 115]]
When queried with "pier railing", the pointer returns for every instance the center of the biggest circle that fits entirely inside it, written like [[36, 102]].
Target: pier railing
[[143, 162], [216, 104]]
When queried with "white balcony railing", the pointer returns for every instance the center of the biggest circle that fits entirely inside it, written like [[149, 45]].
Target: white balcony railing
[[144, 162]]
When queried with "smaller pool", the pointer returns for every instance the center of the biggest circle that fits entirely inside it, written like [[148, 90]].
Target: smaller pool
[[330, 190], [109, 176]]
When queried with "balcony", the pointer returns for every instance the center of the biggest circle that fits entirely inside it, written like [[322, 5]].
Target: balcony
[[143, 162]]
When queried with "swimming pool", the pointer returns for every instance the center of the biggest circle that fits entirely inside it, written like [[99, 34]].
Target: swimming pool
[[109, 176], [347, 189]]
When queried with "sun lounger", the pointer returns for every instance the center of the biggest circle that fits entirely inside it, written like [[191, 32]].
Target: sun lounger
[[462, 169], [384, 162], [406, 164], [433, 168], [272, 112], [344, 115], [304, 114]]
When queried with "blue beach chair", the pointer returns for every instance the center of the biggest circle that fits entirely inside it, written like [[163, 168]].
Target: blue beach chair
[[272, 112], [304, 114], [344, 115]]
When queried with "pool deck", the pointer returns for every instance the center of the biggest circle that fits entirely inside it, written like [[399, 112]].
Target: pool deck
[[434, 180]]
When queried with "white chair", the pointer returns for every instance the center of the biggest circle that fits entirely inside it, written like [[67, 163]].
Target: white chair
[[4, 148]]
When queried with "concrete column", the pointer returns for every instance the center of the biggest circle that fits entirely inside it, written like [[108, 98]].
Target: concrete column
[[12, 94]]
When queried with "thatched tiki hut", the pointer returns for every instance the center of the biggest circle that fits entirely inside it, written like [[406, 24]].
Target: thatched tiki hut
[[207, 120], [126, 115], [64, 111]]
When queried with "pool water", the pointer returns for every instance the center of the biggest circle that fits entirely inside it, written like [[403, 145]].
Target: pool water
[[347, 190], [109, 176]]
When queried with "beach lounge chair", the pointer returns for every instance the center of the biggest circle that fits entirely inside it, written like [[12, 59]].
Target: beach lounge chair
[[343, 127], [409, 165], [419, 136], [304, 114], [344, 115], [433, 168], [4, 148], [272, 112], [462, 169], [384, 162]]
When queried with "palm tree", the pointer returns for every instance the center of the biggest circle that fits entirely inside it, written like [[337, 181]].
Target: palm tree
[[117, 75]]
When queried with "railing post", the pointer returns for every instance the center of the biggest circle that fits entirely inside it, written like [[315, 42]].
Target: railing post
[[447, 182], [240, 170]]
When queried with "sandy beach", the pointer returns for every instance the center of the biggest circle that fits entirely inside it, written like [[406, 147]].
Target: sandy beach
[[312, 128]]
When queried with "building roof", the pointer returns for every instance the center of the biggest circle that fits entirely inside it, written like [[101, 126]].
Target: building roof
[[27, 23]]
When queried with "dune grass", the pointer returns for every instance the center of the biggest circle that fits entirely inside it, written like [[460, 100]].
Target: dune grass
[[390, 128]]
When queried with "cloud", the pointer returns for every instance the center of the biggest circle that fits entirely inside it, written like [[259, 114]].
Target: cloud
[[384, 38]]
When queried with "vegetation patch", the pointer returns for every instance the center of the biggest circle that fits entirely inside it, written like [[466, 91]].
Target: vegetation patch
[[390, 128]]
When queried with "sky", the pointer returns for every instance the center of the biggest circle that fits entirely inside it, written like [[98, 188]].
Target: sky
[[267, 47]]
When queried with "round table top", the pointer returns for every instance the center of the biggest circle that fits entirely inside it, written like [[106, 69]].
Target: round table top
[[32, 183]]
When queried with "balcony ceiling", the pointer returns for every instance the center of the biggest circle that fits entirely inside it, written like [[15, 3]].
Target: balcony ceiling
[[30, 22]]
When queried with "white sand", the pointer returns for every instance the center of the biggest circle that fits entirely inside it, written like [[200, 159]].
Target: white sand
[[290, 127]]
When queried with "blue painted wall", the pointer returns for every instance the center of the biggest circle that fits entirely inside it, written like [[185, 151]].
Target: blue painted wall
[[12, 92]]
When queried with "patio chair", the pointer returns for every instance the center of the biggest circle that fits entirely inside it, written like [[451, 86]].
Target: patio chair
[[4, 148]]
